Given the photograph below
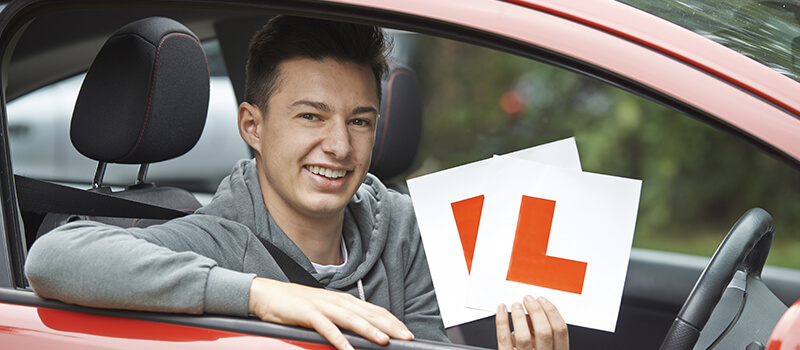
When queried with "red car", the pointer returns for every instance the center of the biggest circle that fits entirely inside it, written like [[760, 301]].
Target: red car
[[699, 99]]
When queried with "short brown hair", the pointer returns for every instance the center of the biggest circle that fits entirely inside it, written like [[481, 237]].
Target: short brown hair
[[287, 37]]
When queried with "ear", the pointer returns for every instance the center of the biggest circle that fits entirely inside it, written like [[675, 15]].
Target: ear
[[250, 119]]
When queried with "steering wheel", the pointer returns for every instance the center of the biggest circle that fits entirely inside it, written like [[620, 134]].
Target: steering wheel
[[751, 306]]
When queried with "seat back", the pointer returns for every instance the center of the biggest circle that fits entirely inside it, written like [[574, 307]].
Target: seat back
[[144, 100], [399, 128]]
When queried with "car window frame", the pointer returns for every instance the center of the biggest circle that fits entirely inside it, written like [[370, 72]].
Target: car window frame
[[17, 14]]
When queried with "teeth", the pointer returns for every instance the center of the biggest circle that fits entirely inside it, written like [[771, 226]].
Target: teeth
[[331, 174]]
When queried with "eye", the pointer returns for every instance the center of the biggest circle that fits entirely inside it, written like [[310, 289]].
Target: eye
[[308, 116], [361, 122]]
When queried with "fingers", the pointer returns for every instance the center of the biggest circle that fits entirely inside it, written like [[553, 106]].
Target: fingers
[[370, 321], [542, 331], [328, 325], [324, 311], [331, 333], [542, 328], [383, 320], [557, 323], [522, 332], [503, 329], [549, 329]]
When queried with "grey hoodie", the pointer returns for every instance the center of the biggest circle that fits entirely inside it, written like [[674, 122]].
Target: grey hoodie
[[205, 262]]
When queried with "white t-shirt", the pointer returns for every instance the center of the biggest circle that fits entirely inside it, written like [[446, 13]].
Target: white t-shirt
[[332, 268]]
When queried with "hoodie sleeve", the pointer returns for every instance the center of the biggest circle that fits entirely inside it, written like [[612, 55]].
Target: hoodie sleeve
[[162, 268]]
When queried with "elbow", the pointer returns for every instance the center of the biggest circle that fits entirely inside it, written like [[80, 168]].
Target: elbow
[[41, 263]]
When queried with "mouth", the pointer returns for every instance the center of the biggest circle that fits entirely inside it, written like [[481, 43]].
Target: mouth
[[325, 172]]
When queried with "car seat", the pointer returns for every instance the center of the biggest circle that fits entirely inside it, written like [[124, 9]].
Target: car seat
[[399, 128], [144, 100]]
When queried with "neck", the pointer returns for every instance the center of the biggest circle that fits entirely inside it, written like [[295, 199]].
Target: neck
[[320, 240], [319, 237]]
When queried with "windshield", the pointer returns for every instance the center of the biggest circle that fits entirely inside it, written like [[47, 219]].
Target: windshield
[[765, 30]]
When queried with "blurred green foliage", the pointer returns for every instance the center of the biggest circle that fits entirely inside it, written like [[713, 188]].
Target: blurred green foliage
[[697, 181]]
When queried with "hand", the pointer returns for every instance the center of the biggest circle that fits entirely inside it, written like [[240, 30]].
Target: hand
[[542, 329], [323, 310]]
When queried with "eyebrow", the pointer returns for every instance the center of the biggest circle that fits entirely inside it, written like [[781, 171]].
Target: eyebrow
[[325, 108], [365, 109]]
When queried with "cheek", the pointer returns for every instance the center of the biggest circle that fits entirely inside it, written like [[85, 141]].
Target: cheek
[[281, 139], [278, 150], [363, 147]]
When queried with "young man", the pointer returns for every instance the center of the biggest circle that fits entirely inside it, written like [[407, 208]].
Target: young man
[[313, 92]]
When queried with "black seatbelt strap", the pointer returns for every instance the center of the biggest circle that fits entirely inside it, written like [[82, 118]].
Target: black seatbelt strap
[[46, 197], [293, 271]]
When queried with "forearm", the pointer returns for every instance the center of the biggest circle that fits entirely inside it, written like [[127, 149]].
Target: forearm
[[101, 266]]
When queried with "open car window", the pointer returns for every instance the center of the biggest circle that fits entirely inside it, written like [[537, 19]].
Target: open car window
[[697, 180]]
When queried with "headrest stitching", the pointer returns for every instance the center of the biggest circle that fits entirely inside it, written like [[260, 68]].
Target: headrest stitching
[[150, 97], [388, 108]]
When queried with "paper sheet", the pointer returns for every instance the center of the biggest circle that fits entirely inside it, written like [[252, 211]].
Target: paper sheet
[[433, 196], [578, 263]]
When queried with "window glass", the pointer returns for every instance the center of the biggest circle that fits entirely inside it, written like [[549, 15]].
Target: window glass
[[40, 147], [764, 30], [697, 181]]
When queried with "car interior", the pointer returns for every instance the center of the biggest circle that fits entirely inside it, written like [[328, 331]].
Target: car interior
[[143, 123], [140, 123], [110, 44]]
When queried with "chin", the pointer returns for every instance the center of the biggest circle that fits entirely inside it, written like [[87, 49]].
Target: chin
[[326, 207]]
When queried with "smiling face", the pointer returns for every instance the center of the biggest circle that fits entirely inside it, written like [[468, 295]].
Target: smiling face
[[314, 140]]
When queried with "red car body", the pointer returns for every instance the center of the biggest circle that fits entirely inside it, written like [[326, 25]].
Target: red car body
[[608, 40], [43, 328]]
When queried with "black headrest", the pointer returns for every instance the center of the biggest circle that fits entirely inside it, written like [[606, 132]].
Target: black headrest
[[400, 125], [145, 97]]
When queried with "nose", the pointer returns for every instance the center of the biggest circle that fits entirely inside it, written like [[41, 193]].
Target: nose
[[337, 140]]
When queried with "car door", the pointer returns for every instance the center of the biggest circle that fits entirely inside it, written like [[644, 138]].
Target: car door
[[524, 74]]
